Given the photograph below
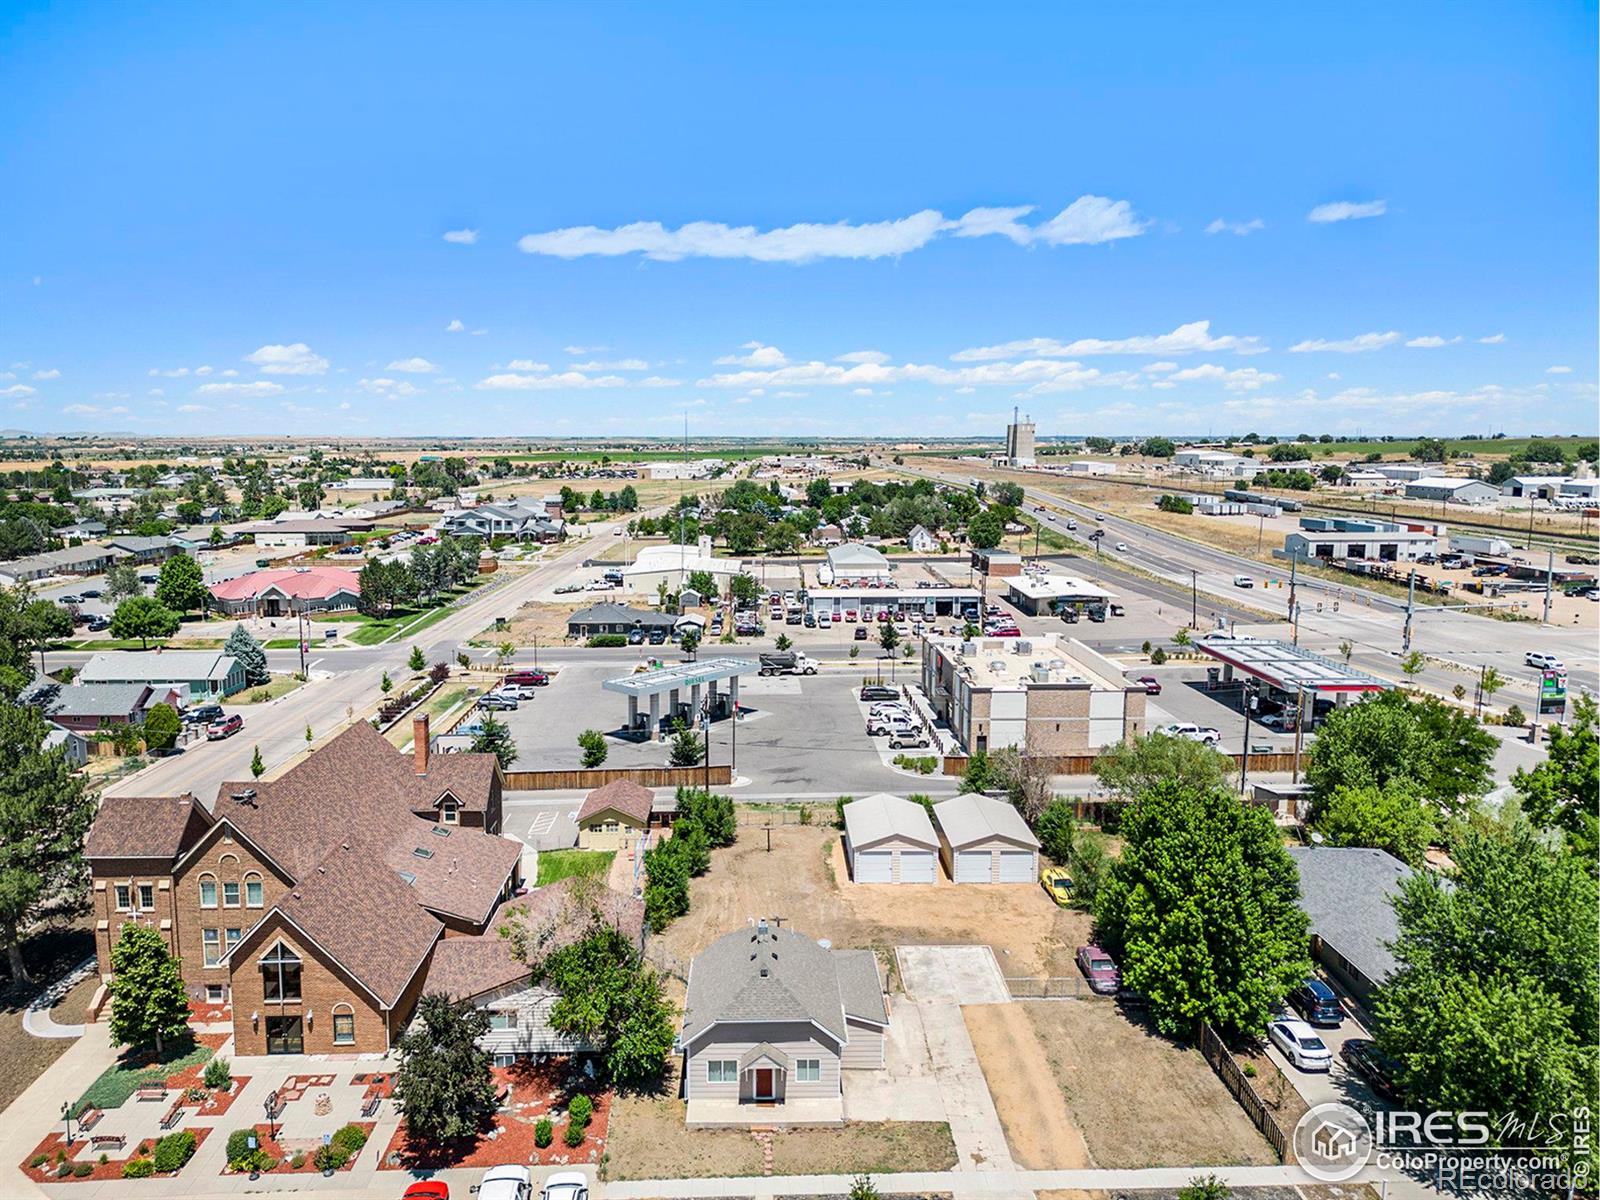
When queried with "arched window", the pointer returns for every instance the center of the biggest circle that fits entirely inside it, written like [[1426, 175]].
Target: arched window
[[208, 891], [280, 973], [344, 1025], [252, 890]]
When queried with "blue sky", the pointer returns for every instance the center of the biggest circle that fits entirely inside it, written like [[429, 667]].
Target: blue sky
[[543, 219]]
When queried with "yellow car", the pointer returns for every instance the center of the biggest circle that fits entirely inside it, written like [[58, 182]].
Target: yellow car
[[1057, 885]]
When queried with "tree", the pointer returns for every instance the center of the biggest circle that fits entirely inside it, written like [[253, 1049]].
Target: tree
[[43, 622], [257, 767], [1393, 819], [1489, 682], [689, 640], [1202, 910], [978, 776], [1157, 447], [444, 1086], [1563, 792], [495, 738], [418, 661], [744, 589], [1392, 738], [1130, 769], [45, 815], [122, 581], [161, 727], [182, 584], [1493, 1005], [888, 637], [687, 747], [705, 583], [250, 654], [149, 1006], [1007, 493], [385, 586], [1413, 663], [711, 813], [144, 618], [1429, 450], [593, 744], [666, 887], [1057, 825], [985, 530]]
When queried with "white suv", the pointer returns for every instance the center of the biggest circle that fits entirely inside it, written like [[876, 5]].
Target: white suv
[[1301, 1045], [509, 1182], [1545, 662]]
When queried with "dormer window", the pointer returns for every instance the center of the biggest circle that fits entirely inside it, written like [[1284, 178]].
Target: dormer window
[[449, 811]]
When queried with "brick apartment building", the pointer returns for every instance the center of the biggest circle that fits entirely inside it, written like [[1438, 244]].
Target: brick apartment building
[[312, 903]]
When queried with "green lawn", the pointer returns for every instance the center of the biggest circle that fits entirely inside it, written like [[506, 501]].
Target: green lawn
[[556, 865], [278, 685], [175, 643], [123, 1077], [373, 630]]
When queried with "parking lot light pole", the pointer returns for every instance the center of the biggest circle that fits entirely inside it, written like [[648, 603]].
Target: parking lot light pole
[[66, 1112], [1194, 599]]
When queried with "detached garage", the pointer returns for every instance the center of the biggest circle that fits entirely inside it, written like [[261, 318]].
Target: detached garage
[[984, 840], [890, 840]]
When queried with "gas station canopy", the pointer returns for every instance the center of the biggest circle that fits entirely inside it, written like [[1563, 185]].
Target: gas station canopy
[[680, 676], [1289, 668]]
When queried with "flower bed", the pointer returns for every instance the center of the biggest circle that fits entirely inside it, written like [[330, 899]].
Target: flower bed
[[285, 1153], [81, 1154], [538, 1092]]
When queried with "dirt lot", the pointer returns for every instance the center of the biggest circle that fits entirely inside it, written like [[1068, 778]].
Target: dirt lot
[[1139, 1100], [804, 881], [648, 1140]]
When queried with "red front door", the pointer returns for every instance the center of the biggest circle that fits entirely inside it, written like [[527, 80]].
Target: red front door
[[764, 1083]]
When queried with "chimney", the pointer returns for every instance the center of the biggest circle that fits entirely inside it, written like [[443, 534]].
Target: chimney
[[419, 738]]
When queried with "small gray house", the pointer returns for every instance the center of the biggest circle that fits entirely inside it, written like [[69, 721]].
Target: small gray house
[[1348, 892], [771, 1021]]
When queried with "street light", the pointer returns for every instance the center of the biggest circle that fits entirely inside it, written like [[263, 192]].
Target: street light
[[66, 1112]]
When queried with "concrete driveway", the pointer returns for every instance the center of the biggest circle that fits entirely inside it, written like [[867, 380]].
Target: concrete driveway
[[908, 1088], [1337, 1084], [951, 975]]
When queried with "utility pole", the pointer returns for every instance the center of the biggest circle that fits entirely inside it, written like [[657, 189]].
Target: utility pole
[[1549, 582], [1244, 746], [1194, 599], [1299, 726], [1294, 612], [1411, 605]]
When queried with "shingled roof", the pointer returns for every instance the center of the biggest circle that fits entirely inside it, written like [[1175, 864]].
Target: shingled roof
[[145, 826], [623, 796]]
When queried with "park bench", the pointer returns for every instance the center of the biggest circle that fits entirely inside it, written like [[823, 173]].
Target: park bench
[[89, 1118], [108, 1141], [275, 1110], [151, 1091], [173, 1114], [371, 1106]]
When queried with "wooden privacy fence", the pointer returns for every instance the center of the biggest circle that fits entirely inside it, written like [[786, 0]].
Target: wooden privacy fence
[[1234, 1079], [583, 779], [1083, 764]]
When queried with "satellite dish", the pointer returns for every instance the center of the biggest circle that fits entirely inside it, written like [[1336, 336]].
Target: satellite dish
[[1317, 839]]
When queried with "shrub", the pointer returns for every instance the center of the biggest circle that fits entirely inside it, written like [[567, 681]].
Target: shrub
[[575, 1134], [439, 672], [1157, 656], [38, 1160], [1249, 1070], [580, 1110], [805, 814], [218, 1073], [922, 764], [330, 1157], [838, 810], [601, 641], [64, 1168], [543, 1133], [136, 1168], [83, 1170], [350, 1137], [298, 1161], [239, 1147], [104, 1158], [862, 1188], [264, 1162], [174, 1150], [1515, 716]]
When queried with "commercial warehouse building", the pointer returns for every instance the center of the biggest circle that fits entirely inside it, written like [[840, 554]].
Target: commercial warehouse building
[[1340, 537], [1039, 594], [866, 601], [1048, 696], [1452, 490]]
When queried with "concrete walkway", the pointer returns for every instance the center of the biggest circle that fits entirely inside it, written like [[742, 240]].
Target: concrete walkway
[[41, 1024]]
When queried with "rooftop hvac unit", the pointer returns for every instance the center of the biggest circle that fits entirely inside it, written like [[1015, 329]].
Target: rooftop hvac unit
[[1041, 673], [969, 647], [997, 665], [1058, 664], [1023, 647]]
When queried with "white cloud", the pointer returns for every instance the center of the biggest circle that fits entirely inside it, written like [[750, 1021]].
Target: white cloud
[[527, 364], [1431, 341], [621, 364], [389, 387], [173, 373], [80, 409], [1240, 379], [412, 366], [455, 326], [194, 408], [1359, 344], [1185, 339], [18, 389], [230, 373], [1558, 370], [1088, 220], [1037, 374], [50, 373], [568, 379], [259, 387], [759, 356], [1347, 210], [1237, 228], [1494, 339], [202, 370], [295, 359], [156, 392], [863, 356], [580, 351], [461, 237]]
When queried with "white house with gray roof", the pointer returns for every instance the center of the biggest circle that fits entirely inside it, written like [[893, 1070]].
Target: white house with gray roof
[[984, 840], [890, 840], [771, 1021], [201, 676]]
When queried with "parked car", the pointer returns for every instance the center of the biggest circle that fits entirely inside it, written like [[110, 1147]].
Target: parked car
[[1243, 581], [1099, 969], [1300, 1044], [1317, 1003], [860, 633], [98, 623], [890, 724], [658, 637], [1281, 722], [517, 691], [1545, 662], [902, 739], [427, 1189], [1152, 685], [1195, 733], [879, 691], [565, 1185], [495, 702], [203, 714], [810, 621], [71, 600], [225, 728], [509, 1182], [528, 678], [635, 637], [1057, 885], [91, 593], [1377, 1068]]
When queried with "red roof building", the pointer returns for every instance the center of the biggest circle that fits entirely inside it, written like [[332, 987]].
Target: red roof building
[[286, 591]]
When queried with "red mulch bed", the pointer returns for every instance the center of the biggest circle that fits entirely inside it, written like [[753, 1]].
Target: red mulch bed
[[375, 1085], [209, 1014], [296, 1086], [81, 1151], [216, 1103], [536, 1091], [284, 1149]]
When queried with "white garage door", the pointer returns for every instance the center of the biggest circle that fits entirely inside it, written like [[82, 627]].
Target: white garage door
[[916, 866], [973, 866], [874, 866], [1016, 866]]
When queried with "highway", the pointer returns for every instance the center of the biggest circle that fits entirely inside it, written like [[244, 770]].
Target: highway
[[1461, 642]]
